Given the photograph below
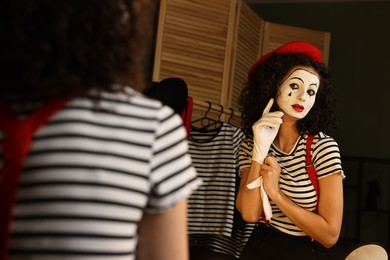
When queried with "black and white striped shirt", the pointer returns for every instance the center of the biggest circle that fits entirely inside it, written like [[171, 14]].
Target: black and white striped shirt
[[92, 172], [294, 180], [212, 218]]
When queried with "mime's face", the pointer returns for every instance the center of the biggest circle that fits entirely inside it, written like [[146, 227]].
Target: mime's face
[[297, 93]]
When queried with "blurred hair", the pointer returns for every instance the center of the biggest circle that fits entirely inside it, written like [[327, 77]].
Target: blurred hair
[[62, 48]]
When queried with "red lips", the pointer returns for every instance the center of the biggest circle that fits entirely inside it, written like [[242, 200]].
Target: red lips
[[298, 107]]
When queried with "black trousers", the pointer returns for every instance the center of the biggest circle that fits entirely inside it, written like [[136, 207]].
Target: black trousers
[[269, 243]]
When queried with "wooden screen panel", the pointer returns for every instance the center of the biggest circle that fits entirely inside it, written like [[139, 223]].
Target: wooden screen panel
[[248, 47], [192, 44], [276, 35]]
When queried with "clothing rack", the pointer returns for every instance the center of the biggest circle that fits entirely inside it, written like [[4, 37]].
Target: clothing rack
[[216, 108]]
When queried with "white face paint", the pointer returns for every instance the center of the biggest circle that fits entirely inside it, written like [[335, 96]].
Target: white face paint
[[297, 94]]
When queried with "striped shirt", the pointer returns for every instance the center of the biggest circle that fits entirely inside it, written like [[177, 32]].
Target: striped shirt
[[92, 172], [294, 180], [212, 218], [215, 156]]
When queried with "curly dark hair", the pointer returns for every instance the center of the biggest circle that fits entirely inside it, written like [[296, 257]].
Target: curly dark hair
[[263, 84], [61, 48]]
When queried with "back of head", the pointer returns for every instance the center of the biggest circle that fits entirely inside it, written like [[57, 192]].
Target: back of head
[[61, 48]]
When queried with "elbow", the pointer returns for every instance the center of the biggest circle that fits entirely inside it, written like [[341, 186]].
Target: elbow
[[250, 217], [331, 240], [248, 212], [330, 243]]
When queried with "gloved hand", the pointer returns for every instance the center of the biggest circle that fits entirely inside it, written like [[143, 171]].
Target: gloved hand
[[264, 132]]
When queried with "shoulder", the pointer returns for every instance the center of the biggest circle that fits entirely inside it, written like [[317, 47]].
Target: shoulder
[[322, 141], [326, 155], [126, 109], [128, 102]]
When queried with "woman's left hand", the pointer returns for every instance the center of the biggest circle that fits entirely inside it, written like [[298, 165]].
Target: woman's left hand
[[270, 170]]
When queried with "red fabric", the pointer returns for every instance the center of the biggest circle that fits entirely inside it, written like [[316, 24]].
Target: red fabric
[[292, 47], [187, 114], [310, 168], [17, 134]]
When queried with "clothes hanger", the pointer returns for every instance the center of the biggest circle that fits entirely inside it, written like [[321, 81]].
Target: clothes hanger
[[207, 123], [209, 127], [215, 124], [231, 116], [203, 120]]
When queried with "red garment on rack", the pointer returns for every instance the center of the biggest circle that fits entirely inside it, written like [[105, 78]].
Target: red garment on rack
[[187, 114]]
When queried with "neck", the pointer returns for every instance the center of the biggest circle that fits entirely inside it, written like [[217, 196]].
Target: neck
[[287, 136]]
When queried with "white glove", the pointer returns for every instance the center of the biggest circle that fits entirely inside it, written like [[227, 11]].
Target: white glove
[[264, 132]]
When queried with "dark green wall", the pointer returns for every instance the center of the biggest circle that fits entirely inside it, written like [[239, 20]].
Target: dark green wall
[[360, 62]]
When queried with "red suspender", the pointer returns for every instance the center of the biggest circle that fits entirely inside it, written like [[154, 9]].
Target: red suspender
[[17, 134], [310, 168]]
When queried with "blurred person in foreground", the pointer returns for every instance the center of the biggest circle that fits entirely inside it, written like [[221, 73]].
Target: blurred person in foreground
[[90, 168]]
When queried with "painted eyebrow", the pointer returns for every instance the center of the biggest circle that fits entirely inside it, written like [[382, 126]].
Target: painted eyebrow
[[298, 79], [312, 84]]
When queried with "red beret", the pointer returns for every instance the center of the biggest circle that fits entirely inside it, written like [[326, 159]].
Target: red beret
[[292, 47]]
